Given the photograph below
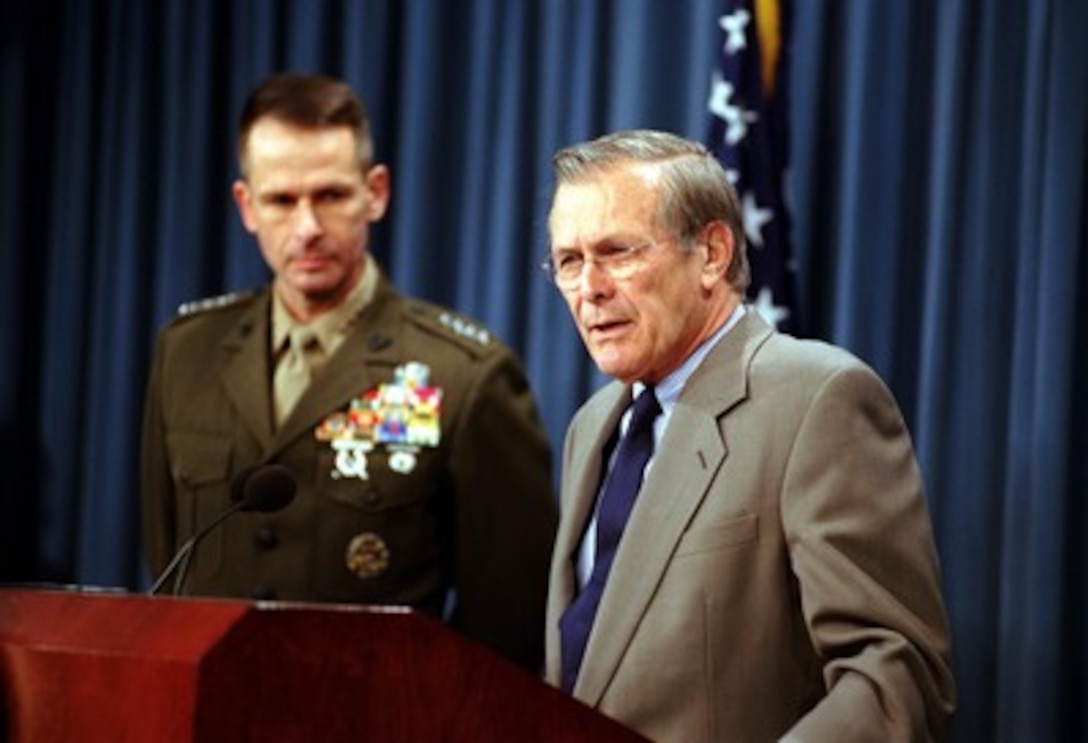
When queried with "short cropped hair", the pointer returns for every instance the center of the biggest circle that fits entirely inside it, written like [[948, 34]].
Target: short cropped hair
[[312, 101]]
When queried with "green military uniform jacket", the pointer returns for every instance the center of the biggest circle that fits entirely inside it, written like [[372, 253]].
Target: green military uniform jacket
[[465, 505]]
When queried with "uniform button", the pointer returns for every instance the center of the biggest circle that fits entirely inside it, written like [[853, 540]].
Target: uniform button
[[379, 341], [371, 497], [263, 593], [266, 538]]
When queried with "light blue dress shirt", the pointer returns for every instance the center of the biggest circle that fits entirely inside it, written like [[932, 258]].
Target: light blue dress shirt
[[668, 392]]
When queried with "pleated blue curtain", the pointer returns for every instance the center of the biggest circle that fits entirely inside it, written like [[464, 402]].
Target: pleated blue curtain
[[940, 153], [942, 210]]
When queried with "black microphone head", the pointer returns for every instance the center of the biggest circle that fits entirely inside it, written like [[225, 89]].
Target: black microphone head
[[268, 488], [238, 484]]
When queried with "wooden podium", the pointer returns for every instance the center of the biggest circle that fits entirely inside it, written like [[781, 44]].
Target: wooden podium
[[90, 667]]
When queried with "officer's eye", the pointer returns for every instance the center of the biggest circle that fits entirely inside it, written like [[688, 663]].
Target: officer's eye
[[331, 195], [280, 200]]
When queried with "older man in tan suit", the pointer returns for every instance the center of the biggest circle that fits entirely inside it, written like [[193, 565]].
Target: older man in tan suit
[[776, 578]]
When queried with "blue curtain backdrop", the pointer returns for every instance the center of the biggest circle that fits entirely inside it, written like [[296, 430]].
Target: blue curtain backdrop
[[940, 153]]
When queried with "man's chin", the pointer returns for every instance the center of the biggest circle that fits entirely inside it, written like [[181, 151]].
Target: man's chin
[[316, 288], [315, 294], [617, 368]]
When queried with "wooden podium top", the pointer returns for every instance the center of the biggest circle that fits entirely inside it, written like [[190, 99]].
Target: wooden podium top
[[115, 667]]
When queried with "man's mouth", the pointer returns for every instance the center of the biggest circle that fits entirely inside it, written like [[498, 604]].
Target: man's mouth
[[310, 262], [607, 328]]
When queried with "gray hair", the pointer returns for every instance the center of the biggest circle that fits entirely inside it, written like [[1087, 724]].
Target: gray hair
[[695, 189]]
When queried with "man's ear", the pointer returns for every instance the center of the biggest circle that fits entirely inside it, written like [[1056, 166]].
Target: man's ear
[[243, 199], [378, 185], [719, 245]]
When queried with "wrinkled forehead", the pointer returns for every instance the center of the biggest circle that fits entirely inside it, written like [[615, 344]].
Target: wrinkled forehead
[[620, 201]]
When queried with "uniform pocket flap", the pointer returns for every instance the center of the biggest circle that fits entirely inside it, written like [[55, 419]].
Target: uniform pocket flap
[[199, 459]]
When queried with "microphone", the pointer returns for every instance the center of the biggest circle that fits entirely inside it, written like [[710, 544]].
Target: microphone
[[266, 488], [262, 488]]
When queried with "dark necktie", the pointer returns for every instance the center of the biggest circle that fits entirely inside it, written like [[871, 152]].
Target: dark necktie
[[616, 499]]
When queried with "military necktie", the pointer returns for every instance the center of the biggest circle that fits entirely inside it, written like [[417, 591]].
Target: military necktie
[[616, 500], [294, 370]]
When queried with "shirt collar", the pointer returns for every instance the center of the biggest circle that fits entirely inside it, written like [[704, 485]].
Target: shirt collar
[[668, 389], [331, 326]]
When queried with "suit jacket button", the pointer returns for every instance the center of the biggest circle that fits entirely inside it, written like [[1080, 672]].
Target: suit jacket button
[[266, 538]]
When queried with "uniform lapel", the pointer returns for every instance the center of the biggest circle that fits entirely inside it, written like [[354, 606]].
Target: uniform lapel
[[691, 453], [346, 374], [246, 371]]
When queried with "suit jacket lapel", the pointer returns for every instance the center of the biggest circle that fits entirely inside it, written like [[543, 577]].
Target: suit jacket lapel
[[691, 453], [584, 472]]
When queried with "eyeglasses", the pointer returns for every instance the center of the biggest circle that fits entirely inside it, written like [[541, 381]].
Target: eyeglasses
[[618, 260]]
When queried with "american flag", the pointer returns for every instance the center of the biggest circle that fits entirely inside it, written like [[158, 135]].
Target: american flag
[[749, 133]]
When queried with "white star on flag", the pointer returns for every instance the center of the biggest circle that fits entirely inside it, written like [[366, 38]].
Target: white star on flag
[[748, 112], [735, 26], [736, 119], [754, 218], [768, 310]]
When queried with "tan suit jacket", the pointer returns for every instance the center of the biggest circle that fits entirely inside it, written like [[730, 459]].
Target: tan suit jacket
[[778, 575], [474, 513]]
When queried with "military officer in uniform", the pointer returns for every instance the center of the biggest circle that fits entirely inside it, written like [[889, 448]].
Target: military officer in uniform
[[423, 471]]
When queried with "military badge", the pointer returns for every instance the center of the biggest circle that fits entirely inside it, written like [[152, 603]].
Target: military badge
[[402, 460], [367, 555], [403, 415], [351, 458], [465, 329]]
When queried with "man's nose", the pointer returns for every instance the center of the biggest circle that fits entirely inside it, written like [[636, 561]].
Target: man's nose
[[307, 224], [594, 280]]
